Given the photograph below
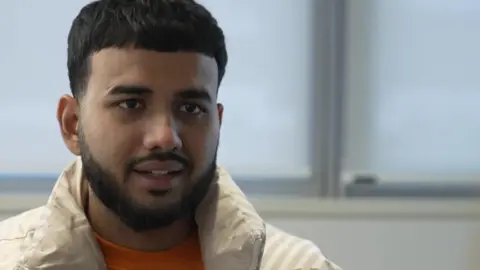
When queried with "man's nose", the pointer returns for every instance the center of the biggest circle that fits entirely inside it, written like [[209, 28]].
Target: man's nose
[[163, 134]]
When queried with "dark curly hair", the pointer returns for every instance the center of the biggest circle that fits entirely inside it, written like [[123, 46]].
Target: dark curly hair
[[160, 25]]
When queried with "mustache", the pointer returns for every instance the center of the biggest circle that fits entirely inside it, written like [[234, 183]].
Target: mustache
[[160, 156]]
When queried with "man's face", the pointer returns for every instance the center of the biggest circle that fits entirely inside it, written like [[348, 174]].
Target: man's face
[[147, 130]]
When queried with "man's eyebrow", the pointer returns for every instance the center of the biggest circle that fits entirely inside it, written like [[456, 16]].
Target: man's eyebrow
[[137, 90], [130, 90], [195, 93]]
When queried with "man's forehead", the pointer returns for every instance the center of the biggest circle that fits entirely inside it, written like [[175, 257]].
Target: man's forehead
[[115, 66]]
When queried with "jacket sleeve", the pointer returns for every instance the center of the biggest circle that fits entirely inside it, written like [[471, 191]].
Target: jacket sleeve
[[317, 260], [287, 252]]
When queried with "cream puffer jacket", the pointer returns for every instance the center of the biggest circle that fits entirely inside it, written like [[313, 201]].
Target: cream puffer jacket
[[58, 236]]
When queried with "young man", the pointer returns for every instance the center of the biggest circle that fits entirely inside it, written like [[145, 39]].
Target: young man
[[145, 192]]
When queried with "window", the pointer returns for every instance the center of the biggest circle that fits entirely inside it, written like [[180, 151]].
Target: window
[[266, 88], [317, 93], [413, 91]]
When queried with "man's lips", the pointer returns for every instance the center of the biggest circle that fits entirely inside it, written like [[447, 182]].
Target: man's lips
[[158, 175], [159, 168]]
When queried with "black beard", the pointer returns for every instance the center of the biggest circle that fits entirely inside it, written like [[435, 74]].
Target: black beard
[[135, 216]]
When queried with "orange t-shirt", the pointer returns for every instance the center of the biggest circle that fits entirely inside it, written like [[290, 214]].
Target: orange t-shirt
[[186, 256]]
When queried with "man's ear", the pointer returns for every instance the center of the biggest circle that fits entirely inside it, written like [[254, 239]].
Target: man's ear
[[220, 113], [67, 116]]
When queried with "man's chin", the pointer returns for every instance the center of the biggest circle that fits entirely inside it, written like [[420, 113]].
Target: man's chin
[[152, 202], [156, 197], [149, 215]]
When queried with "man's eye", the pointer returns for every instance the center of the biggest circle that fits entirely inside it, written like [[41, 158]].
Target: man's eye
[[130, 104], [191, 109]]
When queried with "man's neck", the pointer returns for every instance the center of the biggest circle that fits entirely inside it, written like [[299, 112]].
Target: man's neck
[[108, 226]]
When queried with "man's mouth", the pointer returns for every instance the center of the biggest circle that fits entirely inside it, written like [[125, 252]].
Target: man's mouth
[[160, 172], [159, 168], [158, 179], [158, 175]]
